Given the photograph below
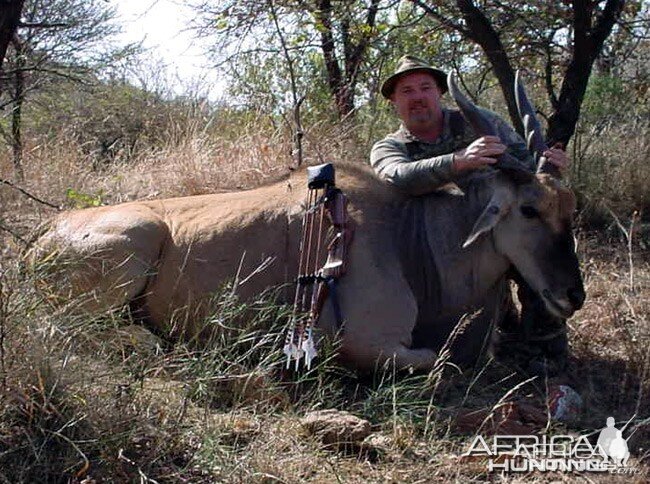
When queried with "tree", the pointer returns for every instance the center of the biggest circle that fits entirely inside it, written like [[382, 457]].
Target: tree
[[569, 35], [9, 19], [344, 61], [53, 39], [334, 38]]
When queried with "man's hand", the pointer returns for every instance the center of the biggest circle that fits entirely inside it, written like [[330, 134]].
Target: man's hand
[[480, 153], [557, 156]]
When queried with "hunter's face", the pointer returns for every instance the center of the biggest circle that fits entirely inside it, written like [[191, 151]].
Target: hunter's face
[[417, 101]]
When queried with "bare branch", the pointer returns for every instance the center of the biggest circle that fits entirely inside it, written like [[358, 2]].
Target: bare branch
[[9, 19], [446, 21], [42, 25], [298, 133], [29, 195], [548, 76]]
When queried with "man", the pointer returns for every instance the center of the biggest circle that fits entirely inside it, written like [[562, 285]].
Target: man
[[434, 146]]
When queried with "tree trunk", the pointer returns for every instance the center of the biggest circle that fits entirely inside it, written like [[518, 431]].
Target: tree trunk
[[345, 101], [587, 45], [590, 27], [10, 11], [16, 113], [481, 31], [562, 122], [334, 75], [342, 80]]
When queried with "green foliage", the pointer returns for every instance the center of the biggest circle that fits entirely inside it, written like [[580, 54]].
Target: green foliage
[[236, 360], [606, 96], [83, 200]]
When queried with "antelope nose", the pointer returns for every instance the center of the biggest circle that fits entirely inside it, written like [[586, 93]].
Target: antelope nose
[[576, 297]]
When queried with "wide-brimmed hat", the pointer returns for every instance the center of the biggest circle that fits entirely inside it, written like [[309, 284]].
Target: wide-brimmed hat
[[408, 64]]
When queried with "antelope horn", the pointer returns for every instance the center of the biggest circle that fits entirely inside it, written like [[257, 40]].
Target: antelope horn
[[477, 120], [483, 126], [532, 129]]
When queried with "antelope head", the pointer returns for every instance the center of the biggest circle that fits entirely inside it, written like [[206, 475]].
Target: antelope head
[[530, 214]]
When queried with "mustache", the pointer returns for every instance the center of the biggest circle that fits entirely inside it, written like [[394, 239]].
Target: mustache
[[418, 104]]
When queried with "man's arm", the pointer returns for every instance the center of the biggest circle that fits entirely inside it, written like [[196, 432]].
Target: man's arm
[[391, 162]]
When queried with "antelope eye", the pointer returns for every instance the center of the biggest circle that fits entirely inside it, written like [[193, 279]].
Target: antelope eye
[[528, 211]]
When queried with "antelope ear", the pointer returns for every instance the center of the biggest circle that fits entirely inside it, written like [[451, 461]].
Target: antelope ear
[[493, 213]]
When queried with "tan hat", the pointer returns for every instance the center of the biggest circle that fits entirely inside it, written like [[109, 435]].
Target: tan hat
[[410, 63]]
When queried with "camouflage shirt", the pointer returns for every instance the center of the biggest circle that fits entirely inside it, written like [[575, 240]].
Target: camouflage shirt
[[417, 167]]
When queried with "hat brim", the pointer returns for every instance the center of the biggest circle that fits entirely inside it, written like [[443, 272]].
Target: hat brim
[[388, 86]]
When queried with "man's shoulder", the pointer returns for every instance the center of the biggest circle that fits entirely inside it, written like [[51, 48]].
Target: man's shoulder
[[398, 137]]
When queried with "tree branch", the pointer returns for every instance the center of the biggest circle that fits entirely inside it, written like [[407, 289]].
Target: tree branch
[[548, 76], [582, 11], [588, 43], [9, 19], [441, 18], [334, 75], [28, 195], [356, 54], [298, 134], [605, 22], [481, 31], [42, 25], [13, 234]]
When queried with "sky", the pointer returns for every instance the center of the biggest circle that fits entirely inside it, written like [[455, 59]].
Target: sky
[[160, 25]]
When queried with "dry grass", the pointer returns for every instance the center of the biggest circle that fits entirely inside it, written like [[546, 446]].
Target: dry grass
[[95, 397], [611, 170], [99, 398], [196, 159], [611, 335]]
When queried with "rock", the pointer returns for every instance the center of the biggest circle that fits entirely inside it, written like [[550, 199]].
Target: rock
[[140, 339], [565, 404], [336, 427], [376, 446]]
